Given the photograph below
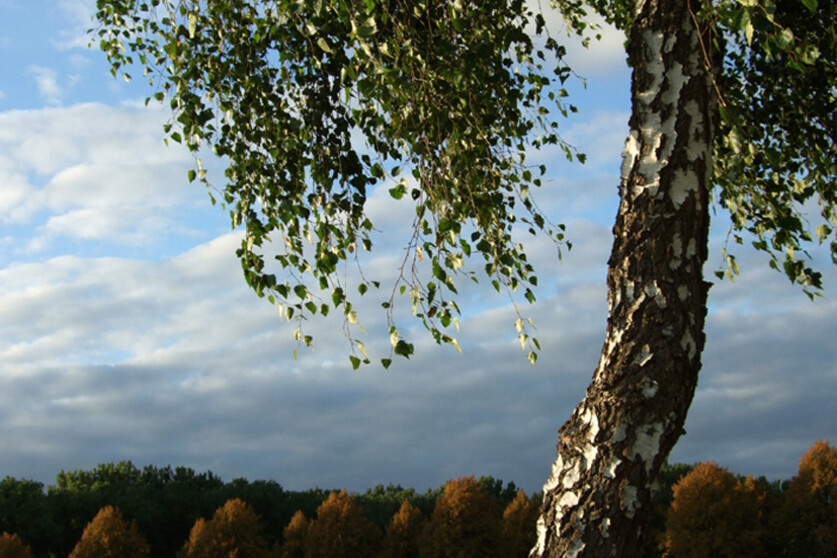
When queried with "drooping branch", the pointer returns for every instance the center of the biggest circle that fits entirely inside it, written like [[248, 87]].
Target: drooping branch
[[315, 104]]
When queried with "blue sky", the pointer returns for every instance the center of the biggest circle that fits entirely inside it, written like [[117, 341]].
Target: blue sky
[[127, 332]]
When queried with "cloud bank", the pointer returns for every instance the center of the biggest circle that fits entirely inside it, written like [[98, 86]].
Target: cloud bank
[[127, 332]]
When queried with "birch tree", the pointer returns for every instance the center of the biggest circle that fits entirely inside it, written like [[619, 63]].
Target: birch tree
[[312, 103]]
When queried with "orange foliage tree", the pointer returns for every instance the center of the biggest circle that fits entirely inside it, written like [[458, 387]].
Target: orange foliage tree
[[715, 515], [109, 535], [341, 530], [233, 531], [401, 540], [519, 520], [293, 545], [808, 517], [465, 524], [12, 547]]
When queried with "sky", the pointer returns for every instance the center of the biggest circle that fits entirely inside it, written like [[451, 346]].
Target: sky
[[127, 331]]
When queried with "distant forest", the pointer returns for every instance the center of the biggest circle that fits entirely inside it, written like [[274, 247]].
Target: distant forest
[[119, 510]]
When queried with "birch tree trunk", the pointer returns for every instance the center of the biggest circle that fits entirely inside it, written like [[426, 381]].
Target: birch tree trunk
[[611, 449]]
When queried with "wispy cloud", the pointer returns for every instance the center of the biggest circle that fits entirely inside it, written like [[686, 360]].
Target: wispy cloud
[[77, 20], [47, 81], [90, 172]]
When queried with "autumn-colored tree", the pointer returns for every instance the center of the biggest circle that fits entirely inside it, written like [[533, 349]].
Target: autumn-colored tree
[[341, 530], [12, 547], [401, 540], [519, 525], [109, 535], [294, 536], [715, 515], [465, 524], [808, 517], [232, 531]]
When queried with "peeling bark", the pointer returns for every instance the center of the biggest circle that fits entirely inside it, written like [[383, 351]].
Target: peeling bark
[[611, 449]]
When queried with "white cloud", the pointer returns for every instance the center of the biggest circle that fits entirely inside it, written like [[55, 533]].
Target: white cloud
[[601, 136], [77, 20], [47, 81], [603, 57], [93, 172]]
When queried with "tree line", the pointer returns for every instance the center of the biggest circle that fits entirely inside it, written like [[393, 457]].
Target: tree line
[[119, 510]]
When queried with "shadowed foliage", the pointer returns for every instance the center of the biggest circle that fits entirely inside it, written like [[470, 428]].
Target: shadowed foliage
[[519, 525], [295, 533], [808, 518], [401, 540]]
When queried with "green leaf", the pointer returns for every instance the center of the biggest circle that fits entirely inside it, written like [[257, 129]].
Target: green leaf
[[398, 191], [812, 5], [321, 42], [355, 362], [402, 348]]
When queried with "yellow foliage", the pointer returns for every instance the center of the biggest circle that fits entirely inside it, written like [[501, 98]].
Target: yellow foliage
[[465, 524], [294, 536], [714, 515], [233, 531], [341, 530], [808, 517], [109, 535], [519, 520], [404, 528], [12, 547]]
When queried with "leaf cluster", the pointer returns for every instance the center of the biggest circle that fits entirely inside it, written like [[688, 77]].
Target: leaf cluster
[[313, 103], [775, 156]]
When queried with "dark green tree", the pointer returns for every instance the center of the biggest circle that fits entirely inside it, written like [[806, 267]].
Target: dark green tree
[[164, 502], [26, 512], [313, 103]]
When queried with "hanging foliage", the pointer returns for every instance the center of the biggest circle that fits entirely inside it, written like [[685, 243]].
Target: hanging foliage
[[314, 104]]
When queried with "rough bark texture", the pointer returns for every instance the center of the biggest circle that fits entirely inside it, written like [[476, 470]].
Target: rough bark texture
[[611, 449]]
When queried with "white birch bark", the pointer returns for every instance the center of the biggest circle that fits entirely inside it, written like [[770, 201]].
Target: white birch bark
[[611, 449]]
